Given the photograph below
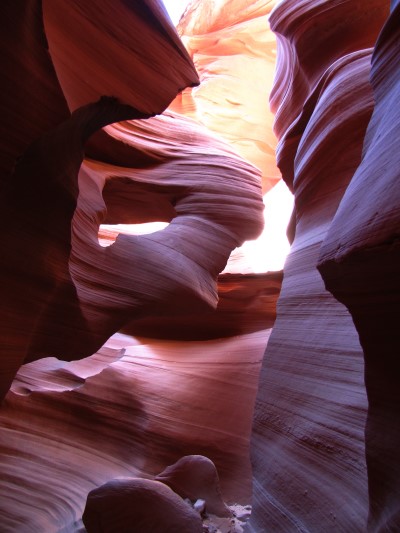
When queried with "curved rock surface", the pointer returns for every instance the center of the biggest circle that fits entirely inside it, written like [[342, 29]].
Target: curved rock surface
[[233, 50], [124, 505], [116, 48], [212, 199], [195, 477], [130, 410], [360, 264], [308, 449], [41, 160], [75, 284], [81, 147], [77, 153]]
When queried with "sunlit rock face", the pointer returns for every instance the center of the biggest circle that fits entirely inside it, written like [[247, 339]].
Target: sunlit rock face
[[140, 353], [308, 447], [234, 52], [137, 353]]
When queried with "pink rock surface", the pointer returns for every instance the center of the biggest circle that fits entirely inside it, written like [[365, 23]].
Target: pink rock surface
[[186, 382], [125, 505], [130, 410], [38, 201], [308, 448], [74, 283], [212, 199], [137, 404], [360, 262], [196, 477], [42, 152], [111, 48], [246, 304]]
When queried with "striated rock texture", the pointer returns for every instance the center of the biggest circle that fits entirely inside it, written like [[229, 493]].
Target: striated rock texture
[[360, 264], [84, 142], [126, 505], [308, 450], [210, 195], [140, 353], [234, 52], [130, 410], [212, 199], [41, 157]]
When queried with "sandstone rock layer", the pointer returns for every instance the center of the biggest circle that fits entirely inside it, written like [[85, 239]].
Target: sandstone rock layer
[[81, 147], [164, 352], [124, 505], [234, 51], [360, 263], [171, 168], [130, 410], [308, 447]]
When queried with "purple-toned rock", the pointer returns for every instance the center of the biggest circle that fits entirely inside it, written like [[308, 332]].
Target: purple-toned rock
[[140, 505], [196, 477]]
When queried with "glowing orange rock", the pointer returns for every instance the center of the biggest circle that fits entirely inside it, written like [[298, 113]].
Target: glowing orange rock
[[234, 52]]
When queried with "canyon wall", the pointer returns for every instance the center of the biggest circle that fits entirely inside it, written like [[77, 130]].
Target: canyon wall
[[360, 264], [325, 443], [43, 143], [134, 352], [135, 349]]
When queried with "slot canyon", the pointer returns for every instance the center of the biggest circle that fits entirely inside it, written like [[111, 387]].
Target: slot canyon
[[165, 365]]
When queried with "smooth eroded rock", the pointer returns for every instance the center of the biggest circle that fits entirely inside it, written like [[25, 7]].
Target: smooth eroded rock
[[360, 263], [196, 477], [308, 448], [142, 505]]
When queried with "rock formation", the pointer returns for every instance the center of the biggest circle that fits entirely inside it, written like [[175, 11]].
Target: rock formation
[[209, 194], [41, 158], [311, 410], [126, 505], [84, 143], [226, 39], [120, 358], [195, 477], [360, 264]]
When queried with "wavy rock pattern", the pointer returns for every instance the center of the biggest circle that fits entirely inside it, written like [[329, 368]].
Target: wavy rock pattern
[[96, 51], [186, 382], [77, 153], [138, 405], [95, 291], [211, 196], [233, 50], [39, 185], [360, 263], [130, 410], [308, 437]]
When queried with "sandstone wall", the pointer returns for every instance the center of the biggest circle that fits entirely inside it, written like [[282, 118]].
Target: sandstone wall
[[308, 448], [82, 147]]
